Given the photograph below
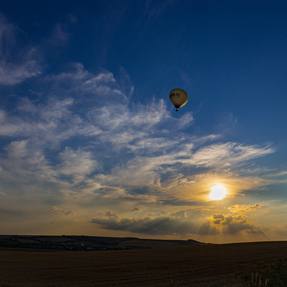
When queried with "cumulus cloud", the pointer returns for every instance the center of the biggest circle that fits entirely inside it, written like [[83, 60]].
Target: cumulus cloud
[[245, 208], [16, 65], [155, 226], [191, 222], [235, 224]]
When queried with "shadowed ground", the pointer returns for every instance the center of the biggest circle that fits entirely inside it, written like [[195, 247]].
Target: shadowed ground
[[193, 265]]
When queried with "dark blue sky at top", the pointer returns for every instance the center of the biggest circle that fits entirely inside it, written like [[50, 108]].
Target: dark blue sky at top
[[229, 55]]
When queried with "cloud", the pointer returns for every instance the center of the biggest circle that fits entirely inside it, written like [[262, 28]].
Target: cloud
[[16, 64], [60, 36], [155, 226], [228, 154], [245, 208], [15, 73], [95, 136], [235, 224], [57, 210], [39, 123], [11, 214], [76, 163]]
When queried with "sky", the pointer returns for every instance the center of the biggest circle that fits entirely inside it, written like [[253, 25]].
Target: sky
[[91, 145]]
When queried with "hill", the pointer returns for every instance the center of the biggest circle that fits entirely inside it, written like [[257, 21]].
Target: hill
[[87, 242]]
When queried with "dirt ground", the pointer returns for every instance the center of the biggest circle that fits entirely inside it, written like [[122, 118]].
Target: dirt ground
[[210, 265]]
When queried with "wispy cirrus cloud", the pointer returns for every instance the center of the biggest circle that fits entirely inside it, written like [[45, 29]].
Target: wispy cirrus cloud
[[228, 154], [16, 64], [104, 119], [76, 163]]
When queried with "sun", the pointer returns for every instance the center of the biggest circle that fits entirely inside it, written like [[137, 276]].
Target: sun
[[217, 192]]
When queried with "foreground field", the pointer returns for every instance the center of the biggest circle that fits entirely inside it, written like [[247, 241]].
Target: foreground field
[[198, 265]]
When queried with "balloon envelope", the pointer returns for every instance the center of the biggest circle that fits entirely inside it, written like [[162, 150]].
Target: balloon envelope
[[178, 97]]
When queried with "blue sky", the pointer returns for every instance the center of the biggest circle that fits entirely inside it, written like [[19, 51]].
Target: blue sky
[[91, 145]]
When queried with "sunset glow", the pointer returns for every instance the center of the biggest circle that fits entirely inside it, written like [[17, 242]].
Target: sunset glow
[[217, 192]]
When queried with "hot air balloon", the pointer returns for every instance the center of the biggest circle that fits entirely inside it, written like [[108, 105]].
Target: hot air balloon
[[178, 97]]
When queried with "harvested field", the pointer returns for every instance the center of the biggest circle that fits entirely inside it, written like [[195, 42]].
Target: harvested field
[[198, 265]]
